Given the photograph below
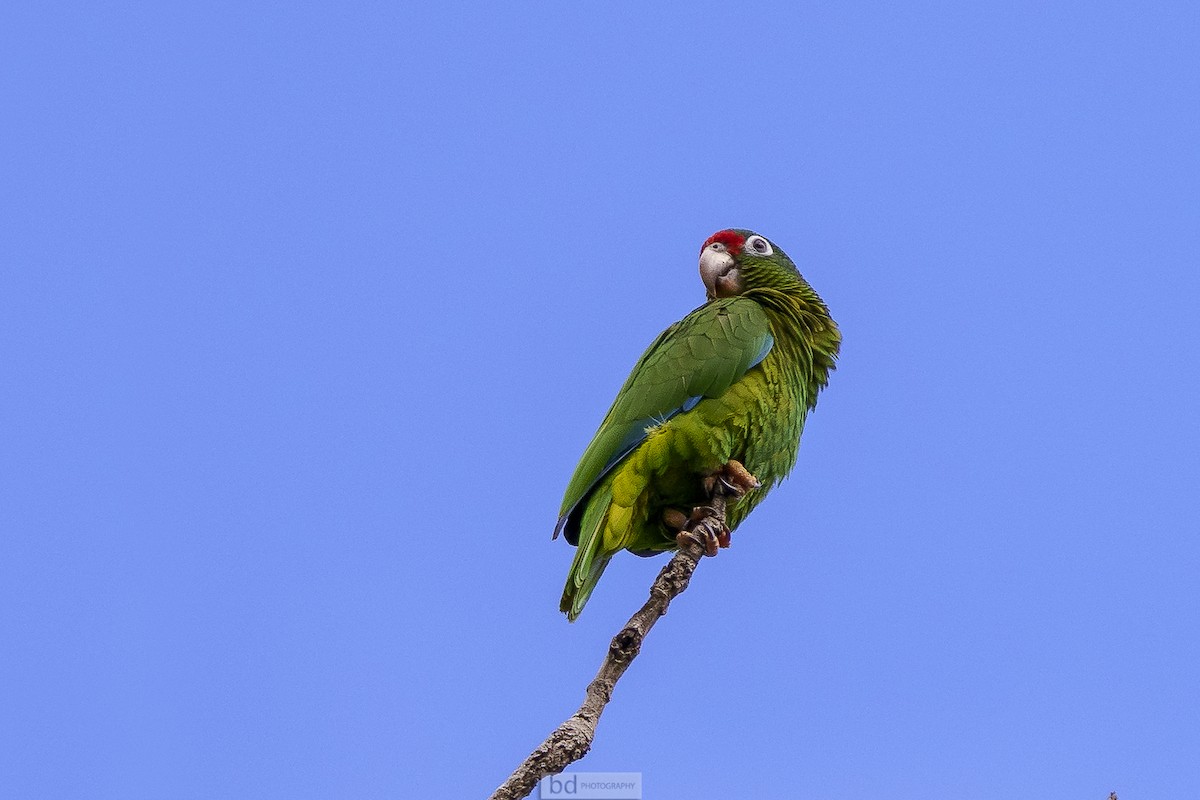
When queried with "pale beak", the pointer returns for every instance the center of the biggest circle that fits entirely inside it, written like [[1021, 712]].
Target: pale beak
[[720, 274]]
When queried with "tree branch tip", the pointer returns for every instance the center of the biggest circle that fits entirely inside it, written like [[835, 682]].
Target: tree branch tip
[[572, 740]]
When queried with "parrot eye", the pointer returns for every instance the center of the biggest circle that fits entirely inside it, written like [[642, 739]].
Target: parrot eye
[[759, 246]]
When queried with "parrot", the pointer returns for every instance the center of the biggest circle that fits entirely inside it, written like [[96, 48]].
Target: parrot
[[716, 403]]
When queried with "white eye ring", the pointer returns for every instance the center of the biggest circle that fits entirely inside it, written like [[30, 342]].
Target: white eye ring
[[759, 246]]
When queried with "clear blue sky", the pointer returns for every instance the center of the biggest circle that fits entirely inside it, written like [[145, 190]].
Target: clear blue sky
[[306, 314]]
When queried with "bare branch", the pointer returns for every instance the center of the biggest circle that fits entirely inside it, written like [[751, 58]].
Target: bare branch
[[570, 741]]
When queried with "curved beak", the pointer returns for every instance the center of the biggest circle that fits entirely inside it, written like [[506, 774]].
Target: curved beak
[[720, 273]]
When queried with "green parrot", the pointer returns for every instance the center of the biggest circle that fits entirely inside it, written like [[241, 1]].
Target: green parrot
[[716, 403]]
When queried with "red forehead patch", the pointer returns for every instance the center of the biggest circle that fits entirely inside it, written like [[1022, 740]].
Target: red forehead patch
[[732, 240]]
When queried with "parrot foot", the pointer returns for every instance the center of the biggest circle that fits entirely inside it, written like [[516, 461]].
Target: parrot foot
[[732, 480], [706, 526], [704, 529]]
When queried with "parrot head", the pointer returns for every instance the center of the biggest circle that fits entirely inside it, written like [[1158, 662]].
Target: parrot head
[[734, 260]]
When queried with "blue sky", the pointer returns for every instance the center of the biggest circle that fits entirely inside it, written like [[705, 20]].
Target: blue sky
[[307, 312]]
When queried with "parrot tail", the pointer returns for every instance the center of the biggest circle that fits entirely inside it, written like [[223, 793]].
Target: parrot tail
[[589, 561]]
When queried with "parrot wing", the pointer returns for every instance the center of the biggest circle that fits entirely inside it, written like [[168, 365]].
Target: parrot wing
[[700, 356]]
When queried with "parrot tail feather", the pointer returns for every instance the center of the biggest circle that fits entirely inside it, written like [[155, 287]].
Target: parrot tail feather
[[589, 561]]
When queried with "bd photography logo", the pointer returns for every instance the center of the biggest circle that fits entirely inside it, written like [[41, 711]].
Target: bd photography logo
[[592, 786]]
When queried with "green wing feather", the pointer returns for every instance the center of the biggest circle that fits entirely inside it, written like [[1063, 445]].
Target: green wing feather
[[700, 356]]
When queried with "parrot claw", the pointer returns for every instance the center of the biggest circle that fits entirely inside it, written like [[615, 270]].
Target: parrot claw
[[732, 480], [705, 530], [737, 480], [685, 538]]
